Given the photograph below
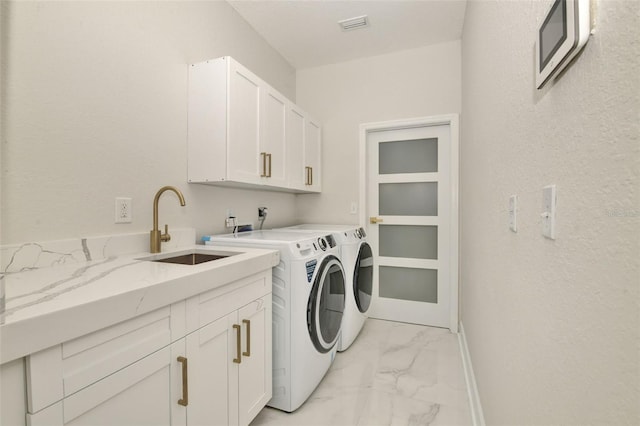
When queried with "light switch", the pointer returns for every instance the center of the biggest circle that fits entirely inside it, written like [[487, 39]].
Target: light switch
[[549, 211], [513, 215]]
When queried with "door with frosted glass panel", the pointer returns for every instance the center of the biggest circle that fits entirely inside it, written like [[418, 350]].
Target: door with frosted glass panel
[[409, 204]]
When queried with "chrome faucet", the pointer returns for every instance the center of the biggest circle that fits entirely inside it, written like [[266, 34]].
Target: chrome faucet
[[157, 237]]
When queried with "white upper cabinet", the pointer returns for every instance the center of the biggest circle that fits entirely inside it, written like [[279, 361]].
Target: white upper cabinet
[[239, 131], [312, 156], [303, 147]]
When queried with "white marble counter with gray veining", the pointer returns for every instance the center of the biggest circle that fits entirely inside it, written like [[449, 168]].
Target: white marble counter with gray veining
[[61, 290]]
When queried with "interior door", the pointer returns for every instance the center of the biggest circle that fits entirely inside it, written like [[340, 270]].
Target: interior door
[[409, 204]]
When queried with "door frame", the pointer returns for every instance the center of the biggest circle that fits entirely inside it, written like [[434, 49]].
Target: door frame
[[452, 120]]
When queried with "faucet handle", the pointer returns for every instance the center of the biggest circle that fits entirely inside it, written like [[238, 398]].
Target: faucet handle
[[165, 237]]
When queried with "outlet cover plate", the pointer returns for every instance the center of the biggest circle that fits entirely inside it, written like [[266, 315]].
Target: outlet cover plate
[[123, 210]]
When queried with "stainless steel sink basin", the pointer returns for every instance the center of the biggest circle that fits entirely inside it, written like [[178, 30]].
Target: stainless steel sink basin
[[189, 257]]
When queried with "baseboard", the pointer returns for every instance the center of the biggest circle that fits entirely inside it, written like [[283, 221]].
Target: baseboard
[[472, 389]]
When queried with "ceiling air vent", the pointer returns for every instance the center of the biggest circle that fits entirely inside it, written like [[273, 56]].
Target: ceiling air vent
[[354, 23]]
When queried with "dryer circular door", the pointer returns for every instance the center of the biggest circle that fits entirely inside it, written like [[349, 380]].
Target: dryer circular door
[[363, 277], [326, 304]]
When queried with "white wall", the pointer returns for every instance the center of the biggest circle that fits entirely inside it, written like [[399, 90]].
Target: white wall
[[411, 83], [95, 106], [552, 326]]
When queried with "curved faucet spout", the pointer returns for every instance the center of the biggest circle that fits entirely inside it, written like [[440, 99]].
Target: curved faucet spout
[[156, 235]]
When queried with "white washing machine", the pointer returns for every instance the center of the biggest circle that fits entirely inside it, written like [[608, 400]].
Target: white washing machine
[[357, 258], [308, 305]]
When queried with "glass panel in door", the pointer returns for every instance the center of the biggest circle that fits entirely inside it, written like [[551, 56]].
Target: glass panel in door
[[409, 284], [409, 199], [410, 241], [412, 156]]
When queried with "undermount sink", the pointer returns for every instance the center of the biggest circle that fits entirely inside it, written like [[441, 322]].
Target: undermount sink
[[190, 258]]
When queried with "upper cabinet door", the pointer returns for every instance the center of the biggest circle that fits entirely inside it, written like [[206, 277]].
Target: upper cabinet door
[[312, 156], [295, 147], [273, 144], [243, 144]]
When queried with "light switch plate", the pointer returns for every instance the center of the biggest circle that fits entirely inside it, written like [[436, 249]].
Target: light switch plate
[[513, 213], [549, 211]]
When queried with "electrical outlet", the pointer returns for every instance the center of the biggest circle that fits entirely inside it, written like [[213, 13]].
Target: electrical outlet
[[354, 208], [123, 212]]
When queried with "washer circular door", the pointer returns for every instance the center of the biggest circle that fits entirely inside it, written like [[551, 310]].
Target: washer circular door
[[326, 304], [363, 277]]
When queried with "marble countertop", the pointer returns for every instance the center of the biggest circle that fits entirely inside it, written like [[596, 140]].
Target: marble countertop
[[49, 305]]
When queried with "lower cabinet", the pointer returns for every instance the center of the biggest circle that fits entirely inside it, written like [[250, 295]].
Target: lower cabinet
[[218, 374], [223, 370]]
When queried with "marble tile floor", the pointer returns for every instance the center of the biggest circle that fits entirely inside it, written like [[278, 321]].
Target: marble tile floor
[[393, 374]]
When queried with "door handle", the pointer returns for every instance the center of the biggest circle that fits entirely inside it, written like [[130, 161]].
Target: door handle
[[375, 220], [184, 401], [269, 156], [238, 358], [309, 176], [248, 351], [264, 164]]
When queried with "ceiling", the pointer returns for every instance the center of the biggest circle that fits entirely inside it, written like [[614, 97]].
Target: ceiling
[[307, 34]]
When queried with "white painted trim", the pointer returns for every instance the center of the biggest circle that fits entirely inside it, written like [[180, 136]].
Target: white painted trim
[[455, 221], [452, 120], [477, 416]]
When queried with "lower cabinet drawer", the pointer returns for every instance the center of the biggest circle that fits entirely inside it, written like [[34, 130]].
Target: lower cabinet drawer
[[62, 370], [135, 395]]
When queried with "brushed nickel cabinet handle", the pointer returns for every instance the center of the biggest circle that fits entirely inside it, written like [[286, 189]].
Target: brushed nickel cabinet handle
[[306, 177], [238, 360], [311, 175], [264, 164], [185, 384], [248, 351]]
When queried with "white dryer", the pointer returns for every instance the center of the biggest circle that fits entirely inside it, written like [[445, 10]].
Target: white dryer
[[308, 305], [357, 258]]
